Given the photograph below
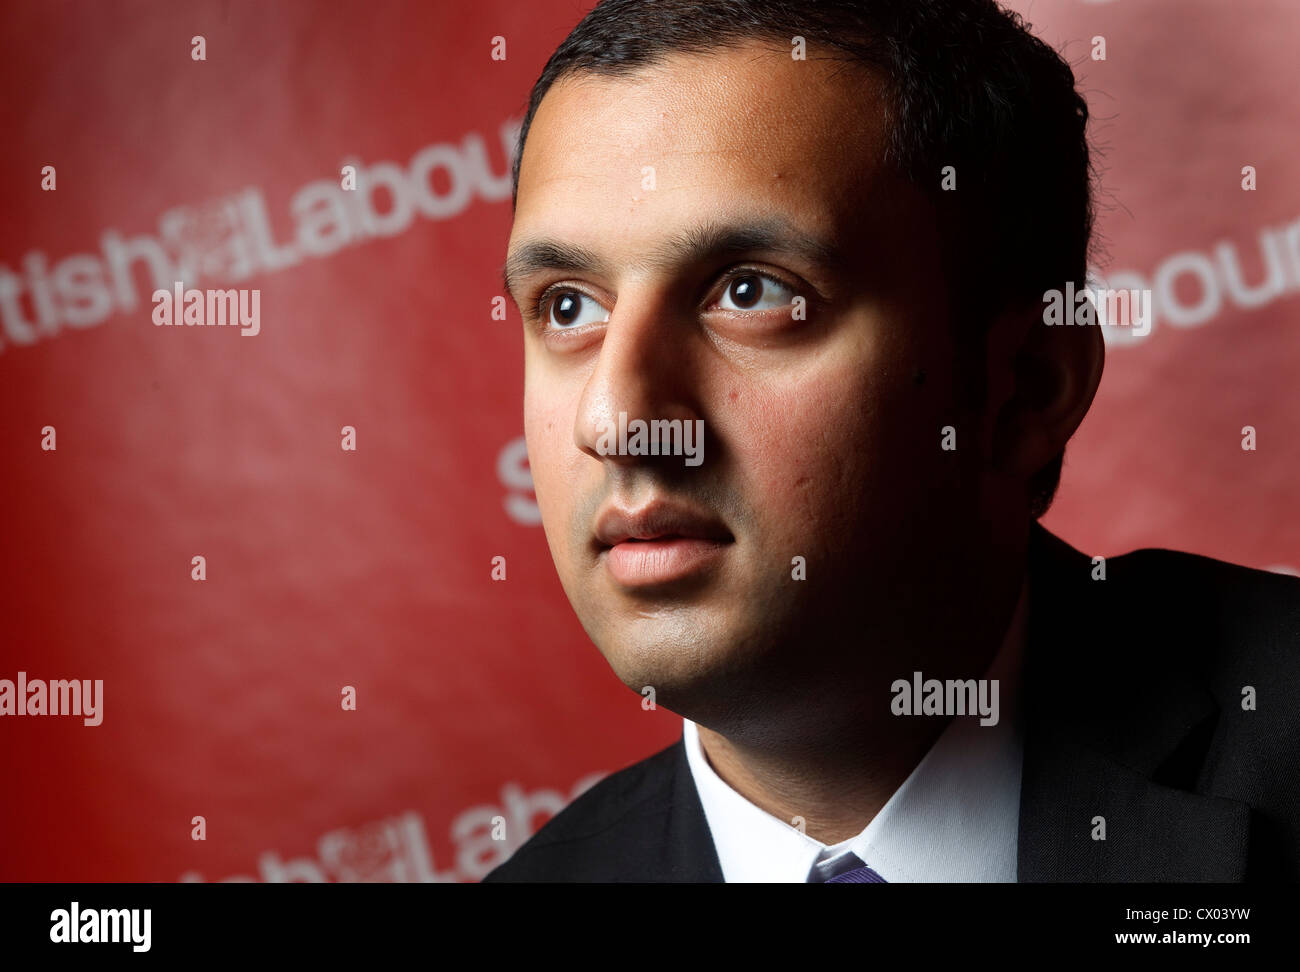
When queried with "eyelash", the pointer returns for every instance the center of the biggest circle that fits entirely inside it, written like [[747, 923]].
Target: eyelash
[[542, 307]]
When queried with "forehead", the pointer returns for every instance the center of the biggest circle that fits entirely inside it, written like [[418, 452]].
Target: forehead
[[747, 132]]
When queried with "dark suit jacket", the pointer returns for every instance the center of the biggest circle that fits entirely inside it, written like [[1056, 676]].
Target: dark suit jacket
[[1132, 690]]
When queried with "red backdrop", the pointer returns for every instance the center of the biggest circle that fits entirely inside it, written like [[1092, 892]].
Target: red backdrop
[[476, 698]]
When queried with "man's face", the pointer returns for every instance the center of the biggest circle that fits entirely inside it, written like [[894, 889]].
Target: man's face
[[822, 422]]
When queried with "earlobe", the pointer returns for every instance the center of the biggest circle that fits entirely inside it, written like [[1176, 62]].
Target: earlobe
[[1081, 360], [1056, 372]]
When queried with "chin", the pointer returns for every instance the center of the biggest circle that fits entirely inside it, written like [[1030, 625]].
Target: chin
[[686, 669], [665, 665]]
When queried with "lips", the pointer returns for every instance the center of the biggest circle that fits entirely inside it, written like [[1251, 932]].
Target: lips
[[659, 543], [658, 520]]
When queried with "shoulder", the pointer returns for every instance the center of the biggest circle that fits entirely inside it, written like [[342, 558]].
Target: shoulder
[[1226, 617], [1220, 618], [1157, 643], [601, 831]]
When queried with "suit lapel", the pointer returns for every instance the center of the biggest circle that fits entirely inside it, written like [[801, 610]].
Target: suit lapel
[[1116, 728], [687, 850]]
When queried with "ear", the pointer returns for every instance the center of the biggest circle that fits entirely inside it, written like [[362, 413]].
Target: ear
[[1042, 380]]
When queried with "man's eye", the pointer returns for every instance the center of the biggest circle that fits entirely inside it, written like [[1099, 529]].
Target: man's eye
[[564, 310], [748, 291]]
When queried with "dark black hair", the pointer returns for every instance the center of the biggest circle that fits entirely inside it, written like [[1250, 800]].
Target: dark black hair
[[967, 86]]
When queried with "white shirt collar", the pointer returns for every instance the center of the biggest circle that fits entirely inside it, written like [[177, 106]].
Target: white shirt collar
[[955, 818]]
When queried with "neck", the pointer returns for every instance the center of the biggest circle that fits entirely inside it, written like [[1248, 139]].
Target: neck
[[835, 765], [835, 790]]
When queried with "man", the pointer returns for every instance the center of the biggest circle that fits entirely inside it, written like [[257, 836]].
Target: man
[[821, 236]]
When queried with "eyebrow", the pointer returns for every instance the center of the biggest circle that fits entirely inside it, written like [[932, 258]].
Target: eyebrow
[[707, 241]]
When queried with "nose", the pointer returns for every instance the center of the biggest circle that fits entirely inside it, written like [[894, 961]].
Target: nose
[[647, 369]]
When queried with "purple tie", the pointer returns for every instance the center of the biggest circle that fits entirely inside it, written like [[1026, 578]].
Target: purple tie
[[859, 875]]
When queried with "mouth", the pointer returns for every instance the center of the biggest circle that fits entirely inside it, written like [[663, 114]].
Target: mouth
[[659, 543]]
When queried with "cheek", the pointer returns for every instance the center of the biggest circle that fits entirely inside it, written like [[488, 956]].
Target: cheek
[[791, 447], [552, 455], [835, 452]]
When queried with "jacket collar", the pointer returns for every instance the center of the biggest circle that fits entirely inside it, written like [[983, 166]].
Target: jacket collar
[[689, 854]]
